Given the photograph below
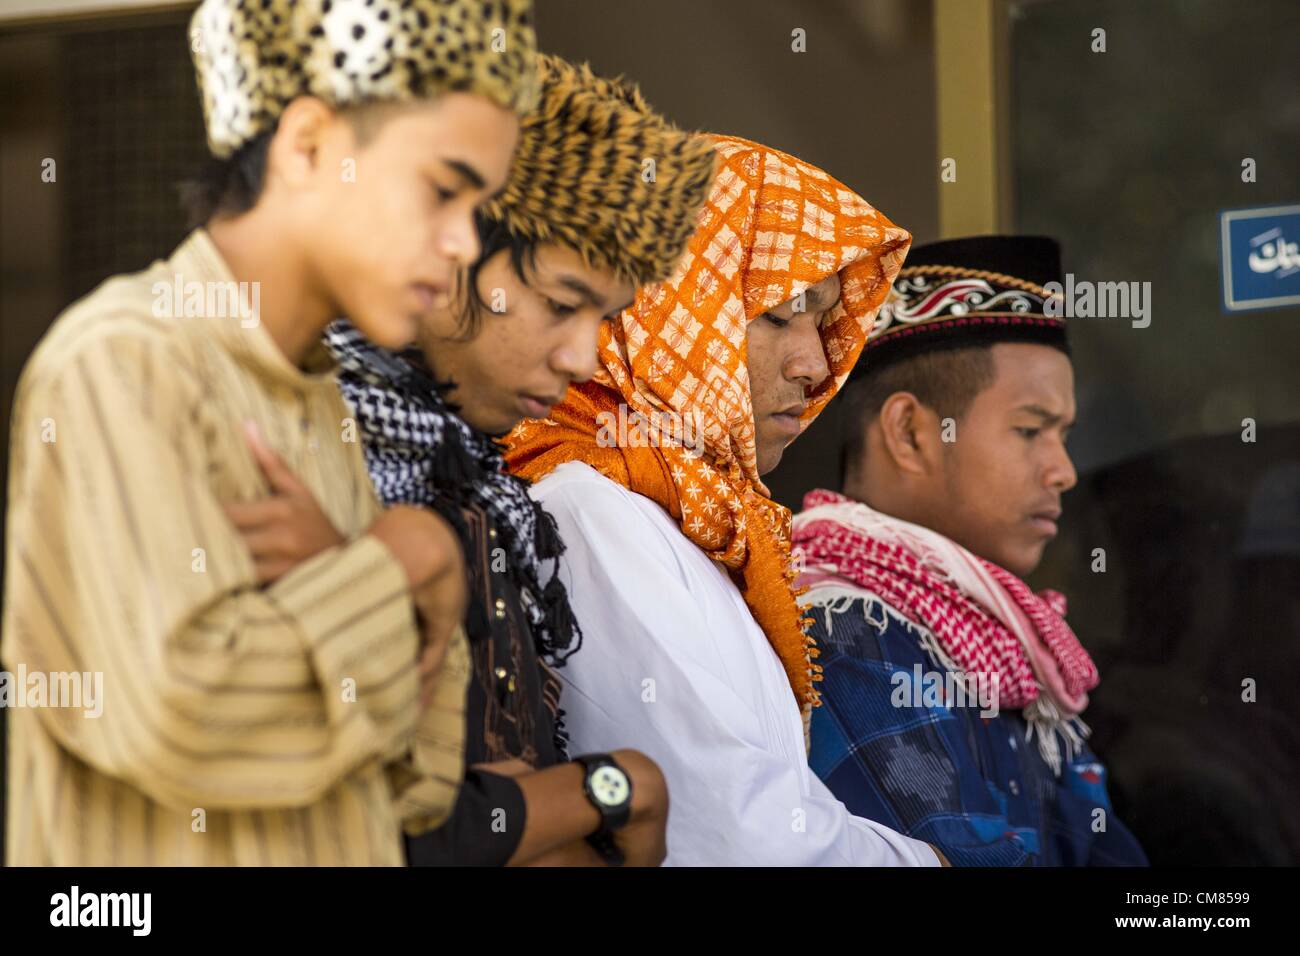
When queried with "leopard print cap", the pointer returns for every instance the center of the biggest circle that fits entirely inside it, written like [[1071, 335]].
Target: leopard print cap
[[253, 57]]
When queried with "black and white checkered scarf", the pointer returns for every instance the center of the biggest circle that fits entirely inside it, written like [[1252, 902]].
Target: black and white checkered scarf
[[420, 452]]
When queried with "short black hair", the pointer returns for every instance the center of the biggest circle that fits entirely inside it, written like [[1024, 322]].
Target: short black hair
[[493, 237], [945, 381], [227, 187]]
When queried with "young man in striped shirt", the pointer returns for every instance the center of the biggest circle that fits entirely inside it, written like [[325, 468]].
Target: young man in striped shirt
[[173, 421]]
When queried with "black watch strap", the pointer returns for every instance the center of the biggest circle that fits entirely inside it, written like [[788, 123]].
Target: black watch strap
[[602, 841], [613, 815]]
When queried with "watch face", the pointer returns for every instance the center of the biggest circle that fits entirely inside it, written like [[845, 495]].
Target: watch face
[[609, 786]]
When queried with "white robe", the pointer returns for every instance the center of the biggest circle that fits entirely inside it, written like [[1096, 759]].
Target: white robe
[[673, 664]]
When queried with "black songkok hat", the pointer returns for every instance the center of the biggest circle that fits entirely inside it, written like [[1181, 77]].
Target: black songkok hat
[[966, 292]]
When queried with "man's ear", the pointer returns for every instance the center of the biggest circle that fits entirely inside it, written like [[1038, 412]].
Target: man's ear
[[297, 146], [909, 432]]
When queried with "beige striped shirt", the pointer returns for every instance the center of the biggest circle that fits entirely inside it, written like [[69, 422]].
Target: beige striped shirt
[[240, 724]]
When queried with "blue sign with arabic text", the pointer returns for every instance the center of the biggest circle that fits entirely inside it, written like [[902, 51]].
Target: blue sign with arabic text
[[1260, 256]]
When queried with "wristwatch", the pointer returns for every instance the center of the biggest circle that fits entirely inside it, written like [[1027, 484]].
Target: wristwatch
[[609, 789]]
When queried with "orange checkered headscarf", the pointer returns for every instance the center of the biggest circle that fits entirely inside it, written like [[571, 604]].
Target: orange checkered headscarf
[[668, 413]]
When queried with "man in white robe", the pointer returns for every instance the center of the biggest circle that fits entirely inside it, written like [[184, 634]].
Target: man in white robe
[[677, 562]]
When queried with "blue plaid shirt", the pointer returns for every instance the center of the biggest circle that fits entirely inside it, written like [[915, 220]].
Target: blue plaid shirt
[[968, 784]]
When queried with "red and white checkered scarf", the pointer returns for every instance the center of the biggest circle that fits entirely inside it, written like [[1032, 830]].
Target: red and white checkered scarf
[[984, 619]]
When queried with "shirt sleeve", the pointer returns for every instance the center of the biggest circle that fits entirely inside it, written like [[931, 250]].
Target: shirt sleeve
[[737, 796], [484, 828], [216, 693]]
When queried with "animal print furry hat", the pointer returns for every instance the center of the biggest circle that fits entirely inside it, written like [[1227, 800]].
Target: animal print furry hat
[[598, 170], [254, 56]]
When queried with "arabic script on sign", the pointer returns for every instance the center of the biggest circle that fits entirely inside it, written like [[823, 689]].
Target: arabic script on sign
[[1272, 253]]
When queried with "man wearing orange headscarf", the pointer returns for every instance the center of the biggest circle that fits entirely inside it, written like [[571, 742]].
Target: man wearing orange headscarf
[[678, 561]]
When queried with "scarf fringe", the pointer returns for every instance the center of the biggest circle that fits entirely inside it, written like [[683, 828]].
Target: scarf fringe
[[420, 451], [836, 599], [1042, 718]]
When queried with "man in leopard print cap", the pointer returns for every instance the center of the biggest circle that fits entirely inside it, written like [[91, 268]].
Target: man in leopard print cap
[[256, 709], [255, 56]]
